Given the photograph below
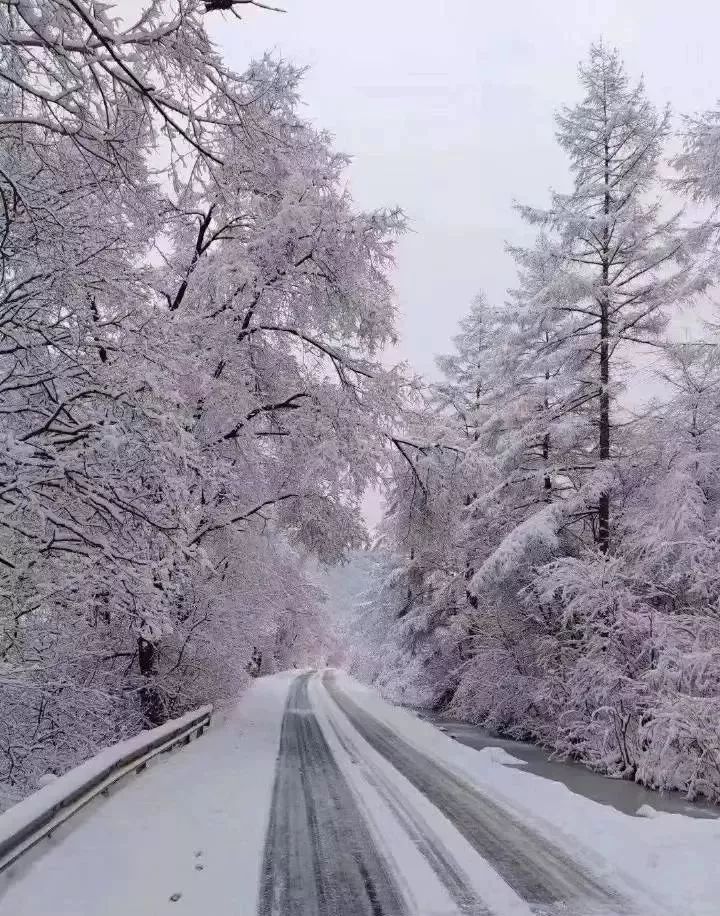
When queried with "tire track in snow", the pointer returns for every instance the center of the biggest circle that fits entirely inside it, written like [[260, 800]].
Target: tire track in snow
[[538, 870], [448, 872], [320, 858]]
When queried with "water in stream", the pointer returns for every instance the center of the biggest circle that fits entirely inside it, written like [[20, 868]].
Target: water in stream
[[619, 793]]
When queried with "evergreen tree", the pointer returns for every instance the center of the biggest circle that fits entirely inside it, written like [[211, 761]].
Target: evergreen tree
[[619, 263]]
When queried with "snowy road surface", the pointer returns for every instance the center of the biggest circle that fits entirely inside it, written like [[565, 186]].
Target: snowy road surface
[[316, 798], [530, 863], [320, 856]]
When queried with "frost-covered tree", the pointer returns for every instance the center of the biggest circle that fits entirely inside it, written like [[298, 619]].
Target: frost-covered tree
[[522, 602], [698, 164], [461, 482], [620, 264], [192, 399]]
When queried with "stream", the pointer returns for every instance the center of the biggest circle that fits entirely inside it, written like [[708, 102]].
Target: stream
[[621, 794]]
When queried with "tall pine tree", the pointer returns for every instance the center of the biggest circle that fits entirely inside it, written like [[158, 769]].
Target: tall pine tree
[[620, 263]]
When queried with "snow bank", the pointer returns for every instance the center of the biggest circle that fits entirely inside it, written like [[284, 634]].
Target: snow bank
[[500, 755]]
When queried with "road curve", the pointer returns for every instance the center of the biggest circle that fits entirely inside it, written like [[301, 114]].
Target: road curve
[[319, 859], [537, 869]]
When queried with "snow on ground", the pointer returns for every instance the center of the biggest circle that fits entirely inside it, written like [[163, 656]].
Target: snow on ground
[[426, 894], [364, 767], [187, 836], [669, 861], [192, 825], [53, 789]]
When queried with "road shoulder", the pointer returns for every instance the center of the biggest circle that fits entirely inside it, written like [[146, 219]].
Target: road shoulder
[[192, 825]]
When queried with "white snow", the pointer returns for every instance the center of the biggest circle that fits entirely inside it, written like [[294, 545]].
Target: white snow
[[187, 835], [421, 890], [54, 790], [500, 755], [46, 779], [666, 862], [426, 895]]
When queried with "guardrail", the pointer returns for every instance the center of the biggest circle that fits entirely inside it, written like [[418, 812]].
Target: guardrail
[[34, 818]]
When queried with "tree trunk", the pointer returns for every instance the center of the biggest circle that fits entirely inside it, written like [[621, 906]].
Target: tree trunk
[[604, 431], [547, 483], [604, 504], [471, 599], [150, 697]]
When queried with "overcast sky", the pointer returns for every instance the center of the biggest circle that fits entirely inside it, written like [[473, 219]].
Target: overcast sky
[[447, 109]]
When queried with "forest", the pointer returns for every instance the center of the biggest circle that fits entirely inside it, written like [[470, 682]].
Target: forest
[[197, 390], [192, 401], [551, 541]]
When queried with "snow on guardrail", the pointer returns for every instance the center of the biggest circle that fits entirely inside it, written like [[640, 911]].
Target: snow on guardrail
[[35, 817]]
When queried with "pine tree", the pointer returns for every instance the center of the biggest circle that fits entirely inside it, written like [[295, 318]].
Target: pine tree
[[619, 264]]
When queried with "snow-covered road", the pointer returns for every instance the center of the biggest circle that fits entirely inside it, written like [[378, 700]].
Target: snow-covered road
[[540, 872], [319, 856], [316, 798]]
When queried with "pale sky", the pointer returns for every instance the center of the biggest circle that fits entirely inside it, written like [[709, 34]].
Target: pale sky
[[447, 109]]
